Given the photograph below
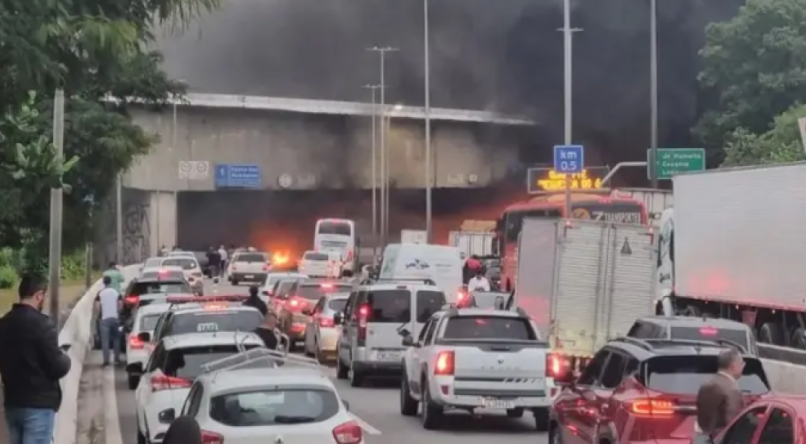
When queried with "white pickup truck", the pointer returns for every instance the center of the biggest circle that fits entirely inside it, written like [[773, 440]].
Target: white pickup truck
[[471, 358]]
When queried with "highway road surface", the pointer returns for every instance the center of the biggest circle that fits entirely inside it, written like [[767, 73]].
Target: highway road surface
[[109, 416]]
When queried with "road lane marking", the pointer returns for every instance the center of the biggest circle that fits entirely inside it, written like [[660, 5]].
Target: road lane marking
[[111, 419], [366, 426]]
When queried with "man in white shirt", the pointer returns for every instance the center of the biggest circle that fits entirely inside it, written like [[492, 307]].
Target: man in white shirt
[[224, 257], [108, 303], [478, 283]]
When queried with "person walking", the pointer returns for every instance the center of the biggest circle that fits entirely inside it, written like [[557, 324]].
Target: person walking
[[31, 365], [720, 398], [223, 257], [109, 302], [267, 331], [254, 301], [115, 276]]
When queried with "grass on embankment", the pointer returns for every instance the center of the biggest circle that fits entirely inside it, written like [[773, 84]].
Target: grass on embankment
[[68, 293]]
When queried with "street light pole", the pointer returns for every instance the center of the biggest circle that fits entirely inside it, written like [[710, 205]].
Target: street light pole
[[373, 89], [382, 52], [56, 207], [653, 91], [568, 57], [429, 175]]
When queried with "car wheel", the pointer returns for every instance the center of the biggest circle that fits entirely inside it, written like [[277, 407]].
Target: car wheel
[[234, 282], [141, 438], [356, 377], [541, 419], [408, 405], [515, 413], [341, 370], [432, 413], [555, 435], [133, 380]]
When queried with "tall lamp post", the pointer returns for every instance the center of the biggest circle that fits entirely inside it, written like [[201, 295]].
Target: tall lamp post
[[429, 174], [568, 58], [373, 90], [653, 91]]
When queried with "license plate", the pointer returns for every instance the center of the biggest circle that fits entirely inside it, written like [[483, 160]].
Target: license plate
[[388, 356], [497, 403], [249, 276]]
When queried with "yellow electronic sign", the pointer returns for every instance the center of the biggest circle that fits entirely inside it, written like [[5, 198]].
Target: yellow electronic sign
[[554, 181]]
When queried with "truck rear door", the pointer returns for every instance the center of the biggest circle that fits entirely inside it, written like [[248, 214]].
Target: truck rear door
[[385, 311]]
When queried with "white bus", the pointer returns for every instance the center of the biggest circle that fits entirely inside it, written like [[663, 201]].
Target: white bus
[[338, 235]]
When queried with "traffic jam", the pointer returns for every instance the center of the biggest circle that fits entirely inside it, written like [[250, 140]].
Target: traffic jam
[[603, 326]]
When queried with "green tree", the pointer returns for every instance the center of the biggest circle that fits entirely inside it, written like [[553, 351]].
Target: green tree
[[780, 144], [755, 67]]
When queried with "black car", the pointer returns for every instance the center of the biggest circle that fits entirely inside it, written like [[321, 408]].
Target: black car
[[699, 329]]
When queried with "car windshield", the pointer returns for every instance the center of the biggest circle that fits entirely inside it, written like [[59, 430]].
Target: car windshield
[[392, 306], [316, 257], [488, 327], [250, 257], [274, 407], [338, 228], [149, 322], [161, 286], [186, 362], [684, 375], [184, 262], [214, 321], [488, 300], [428, 303], [337, 304], [313, 292], [707, 333], [153, 262]]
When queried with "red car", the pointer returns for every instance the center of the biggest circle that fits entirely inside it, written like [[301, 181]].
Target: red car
[[643, 391], [775, 419]]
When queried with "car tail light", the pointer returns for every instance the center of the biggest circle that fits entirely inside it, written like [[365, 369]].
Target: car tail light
[[363, 317], [326, 322], [554, 365], [708, 331], [211, 438], [348, 433], [131, 299], [163, 382], [135, 343], [651, 408], [444, 364], [296, 303], [349, 255]]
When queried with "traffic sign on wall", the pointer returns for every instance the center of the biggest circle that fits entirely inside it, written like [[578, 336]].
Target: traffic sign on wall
[[232, 175], [194, 169]]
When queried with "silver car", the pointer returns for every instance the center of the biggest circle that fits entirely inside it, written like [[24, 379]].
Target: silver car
[[321, 334]]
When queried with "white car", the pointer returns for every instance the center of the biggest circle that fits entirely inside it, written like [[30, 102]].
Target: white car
[[248, 267], [320, 264], [321, 333], [175, 363], [182, 254], [190, 266], [150, 263], [167, 272], [293, 403], [273, 278], [145, 320]]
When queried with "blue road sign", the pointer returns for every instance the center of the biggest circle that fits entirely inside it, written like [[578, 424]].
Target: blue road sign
[[235, 175], [569, 159]]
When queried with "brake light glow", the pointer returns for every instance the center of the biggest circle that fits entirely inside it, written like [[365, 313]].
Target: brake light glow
[[163, 382], [444, 364], [349, 255], [709, 331], [135, 343], [348, 433], [363, 315], [216, 306], [363, 311], [326, 322], [327, 286], [131, 299], [293, 303], [651, 408], [203, 299], [211, 438], [554, 365]]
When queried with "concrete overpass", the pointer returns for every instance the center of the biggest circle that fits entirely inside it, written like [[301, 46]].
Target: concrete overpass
[[298, 144]]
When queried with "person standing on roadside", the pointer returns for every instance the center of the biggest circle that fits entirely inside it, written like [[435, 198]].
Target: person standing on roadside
[[31, 364], [115, 276], [720, 398], [109, 302], [254, 301], [224, 257]]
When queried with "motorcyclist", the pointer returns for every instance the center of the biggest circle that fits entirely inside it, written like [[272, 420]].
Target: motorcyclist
[[479, 282], [254, 301], [472, 266]]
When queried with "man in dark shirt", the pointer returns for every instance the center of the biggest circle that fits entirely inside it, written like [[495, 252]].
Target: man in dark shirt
[[254, 301], [31, 365], [267, 331]]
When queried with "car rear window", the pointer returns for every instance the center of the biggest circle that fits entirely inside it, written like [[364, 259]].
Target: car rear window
[[339, 228], [185, 262], [389, 306], [252, 257], [162, 286], [489, 327], [172, 275], [313, 292], [487, 300], [428, 303], [274, 407], [316, 257], [148, 322], [705, 333], [214, 321], [337, 304], [685, 374], [186, 362]]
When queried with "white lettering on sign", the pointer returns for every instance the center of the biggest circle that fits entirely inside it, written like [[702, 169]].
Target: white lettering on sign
[[207, 327], [623, 217]]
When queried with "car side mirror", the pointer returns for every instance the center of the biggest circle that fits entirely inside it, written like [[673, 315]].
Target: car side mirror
[[144, 336], [408, 341], [65, 347], [135, 368], [167, 416], [346, 405], [404, 333], [338, 318]]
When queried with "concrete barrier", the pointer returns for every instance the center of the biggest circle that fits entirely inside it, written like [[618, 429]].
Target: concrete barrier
[[77, 332]]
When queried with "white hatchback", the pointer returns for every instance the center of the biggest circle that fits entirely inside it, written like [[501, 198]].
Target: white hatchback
[[174, 364], [145, 320], [295, 403]]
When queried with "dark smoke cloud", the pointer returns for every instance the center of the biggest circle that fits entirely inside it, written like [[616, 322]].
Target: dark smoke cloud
[[486, 54]]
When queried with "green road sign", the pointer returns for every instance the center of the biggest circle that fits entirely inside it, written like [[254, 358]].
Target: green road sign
[[672, 161]]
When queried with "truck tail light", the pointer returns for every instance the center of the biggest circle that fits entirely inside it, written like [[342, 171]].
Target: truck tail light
[[445, 363]]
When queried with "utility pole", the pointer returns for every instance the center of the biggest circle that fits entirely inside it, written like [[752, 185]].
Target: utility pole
[[176, 193], [56, 219], [429, 174], [384, 173], [653, 91], [119, 218], [568, 58], [373, 89]]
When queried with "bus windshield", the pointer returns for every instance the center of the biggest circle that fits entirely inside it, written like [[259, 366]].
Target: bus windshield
[[514, 220]]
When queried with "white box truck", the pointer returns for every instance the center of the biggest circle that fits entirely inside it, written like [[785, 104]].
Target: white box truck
[[733, 247], [655, 201], [413, 237], [584, 282], [469, 243]]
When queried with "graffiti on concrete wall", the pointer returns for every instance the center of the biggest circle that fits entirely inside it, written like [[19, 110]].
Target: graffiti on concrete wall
[[136, 231]]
